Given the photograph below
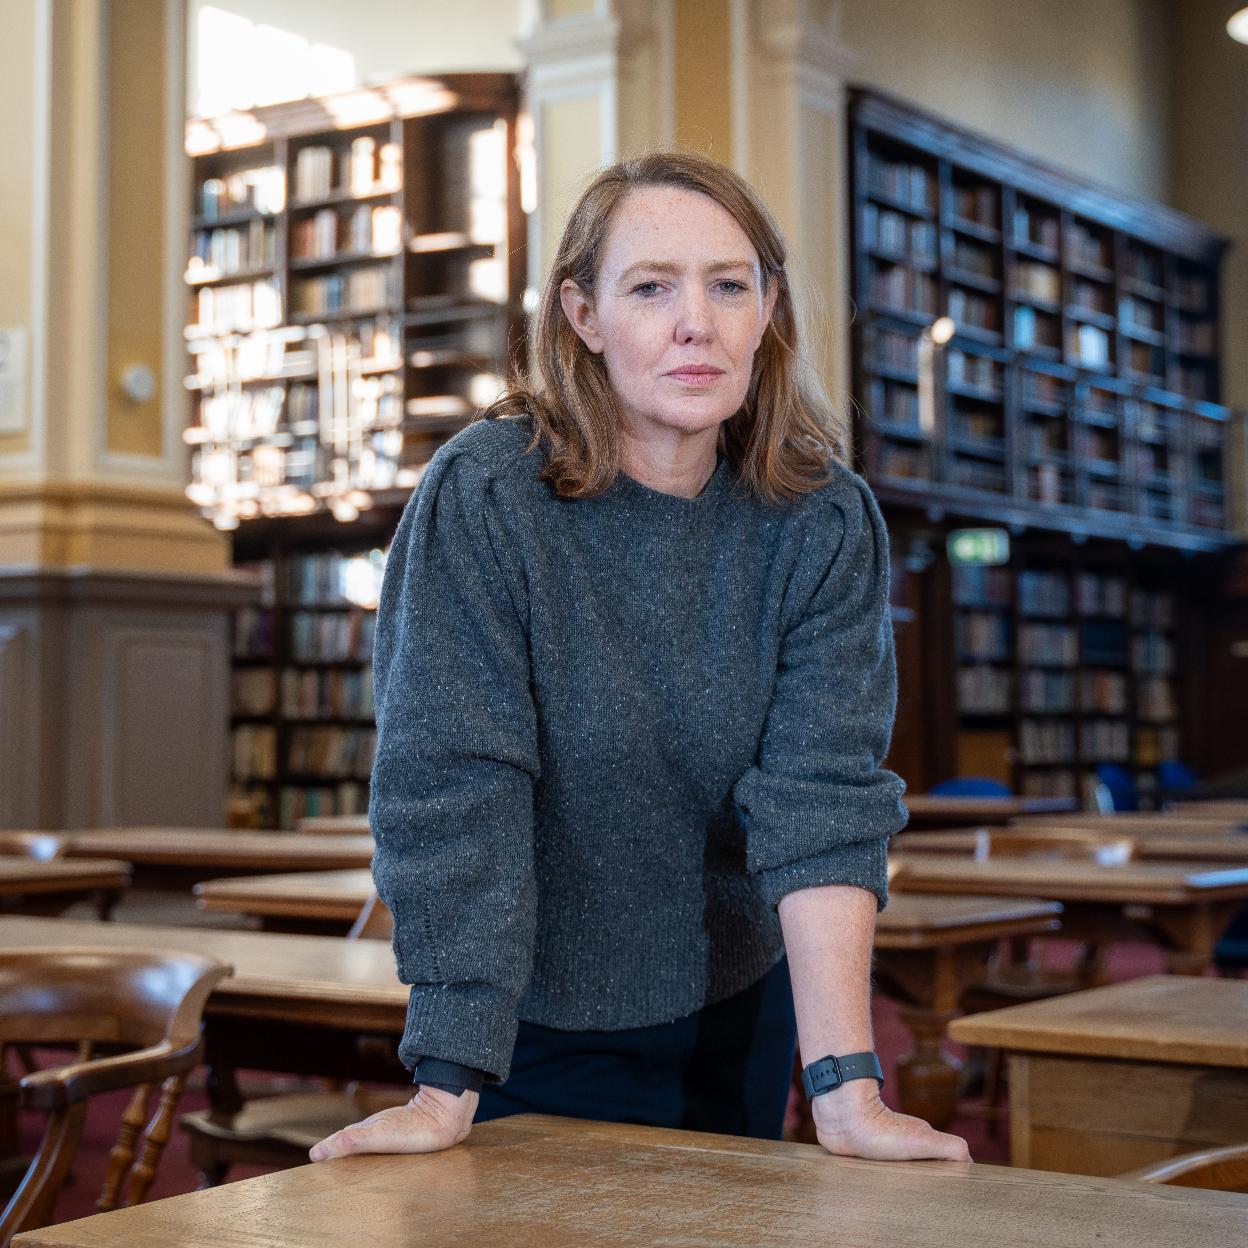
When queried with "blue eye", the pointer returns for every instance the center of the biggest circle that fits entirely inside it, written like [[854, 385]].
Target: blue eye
[[647, 290], [729, 287]]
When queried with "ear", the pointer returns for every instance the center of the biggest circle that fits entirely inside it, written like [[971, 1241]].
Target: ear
[[580, 313]]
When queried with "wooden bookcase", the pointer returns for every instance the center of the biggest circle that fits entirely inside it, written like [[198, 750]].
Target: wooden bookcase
[[1075, 403], [355, 277], [354, 287], [1080, 389]]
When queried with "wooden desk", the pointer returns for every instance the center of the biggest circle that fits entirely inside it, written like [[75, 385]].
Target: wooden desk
[[927, 950], [1215, 808], [334, 825], [533, 1182], [320, 902], [177, 857], [30, 886], [1104, 1081], [927, 811], [1223, 847], [1136, 824], [1183, 906]]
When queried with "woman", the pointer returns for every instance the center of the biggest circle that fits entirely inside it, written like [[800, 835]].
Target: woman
[[635, 682]]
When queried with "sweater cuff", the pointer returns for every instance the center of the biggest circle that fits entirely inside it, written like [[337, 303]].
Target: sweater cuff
[[431, 1072], [469, 1024], [863, 864]]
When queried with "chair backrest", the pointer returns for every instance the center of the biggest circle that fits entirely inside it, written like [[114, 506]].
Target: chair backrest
[[374, 922], [971, 786], [1174, 776], [144, 1001], [44, 846], [1121, 785], [1099, 847], [1218, 1169]]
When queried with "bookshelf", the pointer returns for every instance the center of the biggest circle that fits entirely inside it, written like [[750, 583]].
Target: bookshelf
[[1064, 663], [1080, 389], [302, 717], [354, 283]]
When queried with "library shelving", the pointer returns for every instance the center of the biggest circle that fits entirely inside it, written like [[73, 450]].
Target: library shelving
[[303, 729], [1062, 664], [355, 278], [1074, 383]]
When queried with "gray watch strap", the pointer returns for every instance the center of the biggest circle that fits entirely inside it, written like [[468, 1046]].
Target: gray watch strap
[[830, 1072]]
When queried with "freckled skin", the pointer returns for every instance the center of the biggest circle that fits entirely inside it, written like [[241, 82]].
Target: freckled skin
[[679, 284]]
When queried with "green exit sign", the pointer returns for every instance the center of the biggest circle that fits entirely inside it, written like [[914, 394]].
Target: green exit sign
[[979, 546]]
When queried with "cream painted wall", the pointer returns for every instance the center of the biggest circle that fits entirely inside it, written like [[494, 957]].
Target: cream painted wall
[[17, 180], [384, 38], [1081, 83]]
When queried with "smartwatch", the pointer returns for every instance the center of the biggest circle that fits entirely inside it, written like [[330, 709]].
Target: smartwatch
[[830, 1072]]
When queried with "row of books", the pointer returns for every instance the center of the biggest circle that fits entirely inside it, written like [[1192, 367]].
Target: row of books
[[361, 290], [975, 585], [364, 231], [1034, 329], [904, 463], [1053, 644], [974, 474], [971, 257], [238, 249], [329, 576], [1050, 783], [254, 749], [1136, 313], [1096, 594], [261, 189], [254, 691], [896, 403], [1152, 653], [1043, 691], [977, 203], [884, 229], [977, 424], [1103, 692], [984, 690], [971, 309], [1046, 741], [363, 169], [1105, 741], [1036, 226], [299, 801], [1039, 281], [1042, 593], [332, 752], [253, 633], [979, 371], [906, 183], [1154, 699], [339, 637], [1197, 337], [1154, 744], [982, 635], [896, 351], [1152, 609], [1088, 246], [240, 308], [903, 289], [251, 357], [1088, 345], [310, 694], [237, 415]]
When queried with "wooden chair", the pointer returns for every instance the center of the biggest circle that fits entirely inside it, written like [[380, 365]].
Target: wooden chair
[[1016, 974], [277, 1131], [42, 846], [146, 1003], [1218, 1169]]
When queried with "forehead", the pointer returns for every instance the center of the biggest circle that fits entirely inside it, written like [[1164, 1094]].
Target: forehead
[[673, 224]]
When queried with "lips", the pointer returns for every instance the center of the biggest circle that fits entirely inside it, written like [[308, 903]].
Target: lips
[[695, 374]]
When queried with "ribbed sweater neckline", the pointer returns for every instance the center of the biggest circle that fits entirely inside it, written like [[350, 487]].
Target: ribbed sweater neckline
[[631, 495]]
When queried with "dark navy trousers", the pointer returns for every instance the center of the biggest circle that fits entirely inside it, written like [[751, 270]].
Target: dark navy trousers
[[724, 1069]]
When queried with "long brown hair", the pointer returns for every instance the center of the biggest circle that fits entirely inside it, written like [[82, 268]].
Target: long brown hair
[[785, 434]]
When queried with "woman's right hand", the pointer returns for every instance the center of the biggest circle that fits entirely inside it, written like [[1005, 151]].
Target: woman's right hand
[[432, 1120]]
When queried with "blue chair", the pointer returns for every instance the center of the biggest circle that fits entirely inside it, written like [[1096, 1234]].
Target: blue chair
[[971, 786], [1118, 780], [1174, 776]]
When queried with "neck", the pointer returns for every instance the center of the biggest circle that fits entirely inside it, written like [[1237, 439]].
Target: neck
[[681, 465]]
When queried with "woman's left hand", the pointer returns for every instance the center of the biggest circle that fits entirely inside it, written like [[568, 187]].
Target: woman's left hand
[[852, 1121]]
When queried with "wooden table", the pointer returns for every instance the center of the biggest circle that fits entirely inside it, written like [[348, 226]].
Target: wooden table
[[530, 1182], [319, 902], [927, 950], [30, 886], [1236, 809], [1183, 906], [1225, 847], [334, 825], [1105, 1081], [927, 811], [311, 1005], [1136, 824], [177, 857]]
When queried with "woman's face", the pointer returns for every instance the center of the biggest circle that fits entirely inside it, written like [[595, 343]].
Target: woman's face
[[680, 309]]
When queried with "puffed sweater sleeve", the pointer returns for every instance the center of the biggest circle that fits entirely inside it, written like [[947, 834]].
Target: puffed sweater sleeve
[[818, 805], [451, 806]]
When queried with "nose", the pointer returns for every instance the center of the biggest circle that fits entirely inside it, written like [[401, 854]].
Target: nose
[[694, 321]]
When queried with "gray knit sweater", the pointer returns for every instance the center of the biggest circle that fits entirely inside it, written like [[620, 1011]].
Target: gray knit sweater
[[612, 734]]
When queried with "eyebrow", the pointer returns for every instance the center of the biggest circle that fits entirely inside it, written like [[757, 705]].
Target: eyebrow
[[666, 267]]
